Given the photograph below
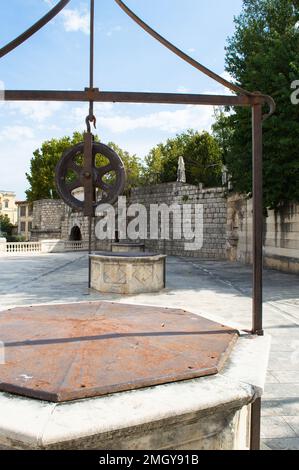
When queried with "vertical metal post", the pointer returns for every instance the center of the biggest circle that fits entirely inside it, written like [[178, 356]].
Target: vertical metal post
[[255, 436], [89, 192], [257, 253], [91, 63], [88, 175], [89, 250], [257, 226], [88, 143]]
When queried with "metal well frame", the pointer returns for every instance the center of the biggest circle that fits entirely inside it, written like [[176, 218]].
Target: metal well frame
[[243, 97]]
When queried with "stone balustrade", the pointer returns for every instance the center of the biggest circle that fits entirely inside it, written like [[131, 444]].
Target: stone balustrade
[[42, 247], [21, 247]]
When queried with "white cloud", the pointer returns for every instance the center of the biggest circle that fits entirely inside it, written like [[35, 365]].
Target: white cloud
[[115, 29], [37, 111], [112, 118], [166, 121], [15, 133], [134, 128], [17, 145], [75, 20]]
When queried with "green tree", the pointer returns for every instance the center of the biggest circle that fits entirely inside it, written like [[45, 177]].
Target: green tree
[[133, 165], [42, 167], [201, 153], [263, 55], [41, 177], [223, 131], [6, 227]]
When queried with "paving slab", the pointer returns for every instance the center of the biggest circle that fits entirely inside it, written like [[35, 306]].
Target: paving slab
[[289, 390], [276, 427], [220, 291], [280, 407], [271, 379], [281, 444], [293, 422], [286, 376]]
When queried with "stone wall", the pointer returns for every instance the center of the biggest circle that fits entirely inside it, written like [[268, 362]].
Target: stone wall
[[71, 219], [281, 234], [53, 219], [47, 217], [214, 217], [227, 225]]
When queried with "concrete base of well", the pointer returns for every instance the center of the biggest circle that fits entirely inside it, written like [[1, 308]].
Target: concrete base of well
[[127, 273], [205, 413]]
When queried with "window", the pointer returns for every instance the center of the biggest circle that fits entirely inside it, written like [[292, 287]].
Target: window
[[23, 211], [6, 203], [29, 226], [23, 226]]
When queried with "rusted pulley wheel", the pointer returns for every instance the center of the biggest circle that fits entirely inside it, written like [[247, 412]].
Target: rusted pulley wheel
[[108, 181]]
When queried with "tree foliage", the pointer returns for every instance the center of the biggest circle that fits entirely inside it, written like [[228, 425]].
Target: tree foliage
[[223, 132], [201, 153], [41, 177], [133, 165], [263, 55], [6, 227]]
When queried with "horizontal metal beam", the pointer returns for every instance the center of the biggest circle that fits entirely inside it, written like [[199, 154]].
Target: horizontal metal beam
[[131, 97]]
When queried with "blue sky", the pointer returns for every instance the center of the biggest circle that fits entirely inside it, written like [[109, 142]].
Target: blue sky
[[126, 60]]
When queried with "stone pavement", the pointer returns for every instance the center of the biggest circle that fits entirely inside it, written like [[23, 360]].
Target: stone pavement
[[217, 290]]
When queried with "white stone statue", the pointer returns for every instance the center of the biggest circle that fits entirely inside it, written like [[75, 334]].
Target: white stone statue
[[181, 171]]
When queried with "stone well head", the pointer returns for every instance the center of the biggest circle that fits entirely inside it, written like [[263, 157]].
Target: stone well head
[[127, 272]]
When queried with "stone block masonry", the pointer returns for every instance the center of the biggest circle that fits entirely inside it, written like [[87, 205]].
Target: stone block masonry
[[72, 219], [47, 217], [281, 234], [214, 217], [227, 225], [52, 219]]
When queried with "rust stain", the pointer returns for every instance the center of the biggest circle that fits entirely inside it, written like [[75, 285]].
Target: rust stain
[[66, 352]]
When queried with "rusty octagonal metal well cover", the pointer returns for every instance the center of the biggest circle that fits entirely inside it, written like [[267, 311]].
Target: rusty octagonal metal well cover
[[67, 352]]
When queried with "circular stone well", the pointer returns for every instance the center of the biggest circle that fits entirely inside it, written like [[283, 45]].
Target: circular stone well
[[127, 273]]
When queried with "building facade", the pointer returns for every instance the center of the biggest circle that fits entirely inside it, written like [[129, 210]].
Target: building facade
[[25, 216], [8, 205]]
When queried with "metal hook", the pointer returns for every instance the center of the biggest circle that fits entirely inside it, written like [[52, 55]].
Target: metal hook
[[91, 119], [272, 105]]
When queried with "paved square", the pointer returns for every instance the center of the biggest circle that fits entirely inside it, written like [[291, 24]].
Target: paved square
[[218, 290]]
